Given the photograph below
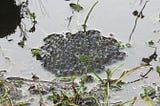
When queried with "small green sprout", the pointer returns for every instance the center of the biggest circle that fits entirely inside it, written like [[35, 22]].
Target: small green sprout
[[19, 83], [32, 15], [55, 97], [122, 45], [86, 79], [148, 92], [37, 53]]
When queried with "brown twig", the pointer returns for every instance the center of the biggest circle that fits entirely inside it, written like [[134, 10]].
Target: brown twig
[[136, 21], [142, 76]]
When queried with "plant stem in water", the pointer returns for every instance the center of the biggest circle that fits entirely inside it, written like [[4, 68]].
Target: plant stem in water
[[85, 22]]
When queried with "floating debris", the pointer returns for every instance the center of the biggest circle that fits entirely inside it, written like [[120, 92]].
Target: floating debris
[[61, 53]]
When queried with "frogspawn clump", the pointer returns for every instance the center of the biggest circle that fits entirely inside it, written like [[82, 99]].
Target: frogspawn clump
[[61, 53]]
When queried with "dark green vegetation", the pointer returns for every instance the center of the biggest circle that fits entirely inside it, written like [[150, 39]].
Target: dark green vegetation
[[66, 91]]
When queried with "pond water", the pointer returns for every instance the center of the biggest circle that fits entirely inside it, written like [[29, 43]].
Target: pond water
[[109, 16]]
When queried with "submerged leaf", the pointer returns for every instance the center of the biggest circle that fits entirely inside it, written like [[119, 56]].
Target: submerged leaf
[[76, 7]]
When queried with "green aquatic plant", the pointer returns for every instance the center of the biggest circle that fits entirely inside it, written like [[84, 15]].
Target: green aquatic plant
[[148, 91], [37, 53], [76, 7], [87, 79], [8, 93], [87, 61], [34, 21], [148, 95], [151, 43], [87, 17], [109, 82], [122, 45], [55, 97]]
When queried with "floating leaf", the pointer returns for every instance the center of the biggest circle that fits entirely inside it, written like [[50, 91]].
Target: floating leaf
[[55, 97], [37, 53], [76, 7]]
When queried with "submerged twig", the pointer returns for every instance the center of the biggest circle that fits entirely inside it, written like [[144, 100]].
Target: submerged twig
[[136, 21], [69, 20], [93, 71], [144, 75], [126, 73]]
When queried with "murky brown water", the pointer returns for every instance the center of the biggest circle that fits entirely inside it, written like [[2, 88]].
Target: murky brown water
[[109, 16]]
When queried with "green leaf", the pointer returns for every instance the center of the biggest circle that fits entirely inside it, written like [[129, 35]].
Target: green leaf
[[158, 69], [76, 7], [32, 15]]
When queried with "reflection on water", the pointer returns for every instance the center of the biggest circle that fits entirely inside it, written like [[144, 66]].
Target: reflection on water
[[9, 17]]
